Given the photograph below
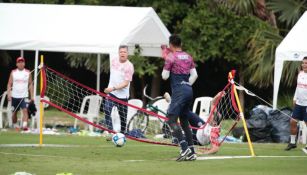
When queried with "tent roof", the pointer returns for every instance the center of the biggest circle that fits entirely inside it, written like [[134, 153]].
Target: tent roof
[[292, 48], [80, 28]]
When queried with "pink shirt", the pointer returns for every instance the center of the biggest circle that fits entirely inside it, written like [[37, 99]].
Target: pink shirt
[[120, 72], [179, 63], [214, 136]]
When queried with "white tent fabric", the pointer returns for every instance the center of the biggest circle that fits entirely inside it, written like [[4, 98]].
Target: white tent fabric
[[80, 28], [292, 48]]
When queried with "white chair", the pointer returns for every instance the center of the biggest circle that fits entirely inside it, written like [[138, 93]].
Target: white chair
[[92, 102], [133, 111], [203, 103], [162, 105], [7, 111], [130, 112], [115, 119], [302, 132]]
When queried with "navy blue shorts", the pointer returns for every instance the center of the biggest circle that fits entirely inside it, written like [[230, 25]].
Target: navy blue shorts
[[18, 103], [182, 98], [300, 113], [194, 119]]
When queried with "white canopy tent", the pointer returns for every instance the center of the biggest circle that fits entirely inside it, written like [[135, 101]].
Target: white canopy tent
[[81, 29], [78, 28], [292, 48]]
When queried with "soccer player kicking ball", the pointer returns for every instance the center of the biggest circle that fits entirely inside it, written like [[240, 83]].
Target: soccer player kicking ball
[[300, 105], [180, 68]]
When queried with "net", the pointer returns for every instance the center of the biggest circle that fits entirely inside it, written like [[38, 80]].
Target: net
[[104, 113], [223, 118], [92, 107]]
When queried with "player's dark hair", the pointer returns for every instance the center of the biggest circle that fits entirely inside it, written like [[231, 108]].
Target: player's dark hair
[[175, 40], [123, 47], [305, 58]]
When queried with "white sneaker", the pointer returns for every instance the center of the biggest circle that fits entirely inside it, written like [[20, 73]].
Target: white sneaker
[[191, 157], [183, 155]]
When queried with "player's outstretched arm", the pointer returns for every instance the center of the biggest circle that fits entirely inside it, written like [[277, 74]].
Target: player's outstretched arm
[[214, 149]]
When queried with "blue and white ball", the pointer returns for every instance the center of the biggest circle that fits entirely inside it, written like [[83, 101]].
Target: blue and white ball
[[119, 139]]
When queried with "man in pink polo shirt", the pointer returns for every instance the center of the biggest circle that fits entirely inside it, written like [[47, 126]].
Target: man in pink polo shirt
[[121, 73]]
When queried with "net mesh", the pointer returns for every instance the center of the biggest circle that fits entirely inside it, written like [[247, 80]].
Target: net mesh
[[105, 113]]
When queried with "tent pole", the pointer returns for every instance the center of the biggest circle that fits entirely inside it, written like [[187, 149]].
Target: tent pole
[[21, 53], [98, 72], [277, 76]]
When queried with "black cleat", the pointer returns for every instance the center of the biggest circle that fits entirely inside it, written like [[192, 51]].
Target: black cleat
[[290, 146], [184, 154]]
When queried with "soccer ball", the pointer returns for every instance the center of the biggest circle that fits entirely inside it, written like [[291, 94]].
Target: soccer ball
[[119, 139]]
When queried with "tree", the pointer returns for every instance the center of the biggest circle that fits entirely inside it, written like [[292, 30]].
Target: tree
[[264, 42], [212, 31], [88, 61], [5, 58], [262, 46]]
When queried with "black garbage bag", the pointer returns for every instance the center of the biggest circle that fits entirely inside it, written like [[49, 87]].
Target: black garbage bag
[[258, 126], [280, 122], [31, 109]]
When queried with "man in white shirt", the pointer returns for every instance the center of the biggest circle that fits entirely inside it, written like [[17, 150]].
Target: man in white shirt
[[18, 87], [121, 73], [300, 105]]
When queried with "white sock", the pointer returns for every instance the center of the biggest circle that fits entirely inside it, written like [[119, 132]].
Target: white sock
[[15, 125], [24, 124], [292, 139]]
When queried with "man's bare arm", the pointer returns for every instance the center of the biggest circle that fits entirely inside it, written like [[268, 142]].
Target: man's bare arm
[[120, 86], [31, 89], [9, 88]]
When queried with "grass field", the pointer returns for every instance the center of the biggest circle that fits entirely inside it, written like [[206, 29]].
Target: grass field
[[93, 155]]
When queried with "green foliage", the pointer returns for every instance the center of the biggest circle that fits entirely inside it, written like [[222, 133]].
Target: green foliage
[[171, 12], [82, 2], [241, 7], [144, 65], [217, 33], [261, 55], [5, 58], [286, 100], [35, 1], [289, 10], [88, 61], [290, 71]]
